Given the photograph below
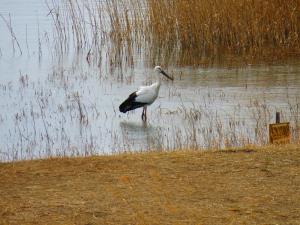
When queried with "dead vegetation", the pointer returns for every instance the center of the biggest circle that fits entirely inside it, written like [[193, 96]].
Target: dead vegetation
[[239, 186], [179, 32], [250, 28]]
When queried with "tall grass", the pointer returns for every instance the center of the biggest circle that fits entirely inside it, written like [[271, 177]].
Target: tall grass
[[206, 27], [185, 32]]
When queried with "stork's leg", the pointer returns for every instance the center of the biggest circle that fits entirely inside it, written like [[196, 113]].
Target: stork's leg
[[144, 114]]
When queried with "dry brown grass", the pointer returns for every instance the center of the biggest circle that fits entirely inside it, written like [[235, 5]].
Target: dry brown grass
[[246, 186], [194, 32], [254, 28]]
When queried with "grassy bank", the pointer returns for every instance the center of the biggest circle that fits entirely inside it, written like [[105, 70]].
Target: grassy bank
[[246, 186]]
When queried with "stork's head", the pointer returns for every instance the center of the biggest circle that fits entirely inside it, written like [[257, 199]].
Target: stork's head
[[159, 70]]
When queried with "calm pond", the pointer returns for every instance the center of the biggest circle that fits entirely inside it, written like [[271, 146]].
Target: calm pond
[[53, 106]]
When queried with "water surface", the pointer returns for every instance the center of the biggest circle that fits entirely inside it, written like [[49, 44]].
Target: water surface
[[54, 107]]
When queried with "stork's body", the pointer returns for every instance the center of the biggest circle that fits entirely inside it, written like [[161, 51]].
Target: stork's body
[[144, 96]]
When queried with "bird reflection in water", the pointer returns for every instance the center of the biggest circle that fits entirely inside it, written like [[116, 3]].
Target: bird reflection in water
[[140, 134]]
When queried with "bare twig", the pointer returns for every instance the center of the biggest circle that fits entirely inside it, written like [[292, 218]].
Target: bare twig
[[13, 35]]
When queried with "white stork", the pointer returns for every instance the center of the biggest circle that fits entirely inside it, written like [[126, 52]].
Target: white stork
[[144, 96]]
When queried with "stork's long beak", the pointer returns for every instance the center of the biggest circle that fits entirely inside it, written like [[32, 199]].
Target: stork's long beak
[[165, 74]]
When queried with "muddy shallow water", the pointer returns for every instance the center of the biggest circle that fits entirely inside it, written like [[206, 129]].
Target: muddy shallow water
[[52, 107]]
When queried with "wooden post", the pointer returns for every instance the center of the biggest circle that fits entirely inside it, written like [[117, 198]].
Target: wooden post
[[279, 133], [277, 117]]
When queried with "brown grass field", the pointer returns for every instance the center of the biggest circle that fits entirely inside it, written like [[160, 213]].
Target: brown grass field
[[243, 186]]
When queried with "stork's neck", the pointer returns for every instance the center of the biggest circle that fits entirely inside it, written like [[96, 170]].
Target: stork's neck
[[158, 78], [157, 83]]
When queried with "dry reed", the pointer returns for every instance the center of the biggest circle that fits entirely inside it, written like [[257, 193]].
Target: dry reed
[[179, 32], [214, 28]]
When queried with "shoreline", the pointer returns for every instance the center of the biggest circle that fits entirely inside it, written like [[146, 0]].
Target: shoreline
[[246, 185]]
